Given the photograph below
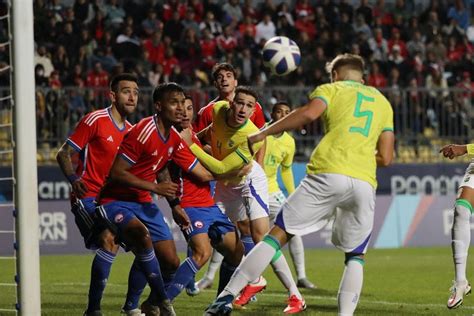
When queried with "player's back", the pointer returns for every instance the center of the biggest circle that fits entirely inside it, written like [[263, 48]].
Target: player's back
[[355, 117]]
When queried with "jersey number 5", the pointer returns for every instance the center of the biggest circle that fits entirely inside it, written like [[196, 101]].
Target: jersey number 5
[[362, 114]]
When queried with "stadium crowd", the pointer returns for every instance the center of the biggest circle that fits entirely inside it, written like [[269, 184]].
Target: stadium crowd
[[415, 50]]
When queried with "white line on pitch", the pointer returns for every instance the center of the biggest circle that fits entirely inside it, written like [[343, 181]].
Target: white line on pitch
[[307, 296]]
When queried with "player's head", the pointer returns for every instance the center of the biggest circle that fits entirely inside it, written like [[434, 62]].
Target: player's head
[[280, 110], [346, 67], [188, 113], [243, 105], [169, 102], [124, 93], [224, 77]]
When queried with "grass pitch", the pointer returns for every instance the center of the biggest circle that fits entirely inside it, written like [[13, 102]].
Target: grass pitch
[[413, 281]]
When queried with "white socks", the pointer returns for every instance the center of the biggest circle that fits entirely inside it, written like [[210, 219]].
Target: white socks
[[461, 238], [297, 254], [282, 270], [214, 265], [351, 286]]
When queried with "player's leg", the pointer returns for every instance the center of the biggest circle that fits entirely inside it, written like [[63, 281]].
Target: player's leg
[[461, 238], [351, 233], [246, 235], [84, 211], [191, 287]]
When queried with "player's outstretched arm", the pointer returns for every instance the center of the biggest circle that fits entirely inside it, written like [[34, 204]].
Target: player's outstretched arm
[[299, 117], [452, 150], [119, 173], [63, 157], [385, 148]]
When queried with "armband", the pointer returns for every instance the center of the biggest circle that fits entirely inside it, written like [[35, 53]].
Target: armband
[[72, 178], [174, 202], [470, 150]]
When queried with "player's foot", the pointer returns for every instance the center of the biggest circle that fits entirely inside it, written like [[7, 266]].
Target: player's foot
[[250, 290], [150, 310], [93, 313], [166, 308], [305, 283], [220, 307], [204, 283], [192, 289], [132, 312], [295, 305], [458, 290]]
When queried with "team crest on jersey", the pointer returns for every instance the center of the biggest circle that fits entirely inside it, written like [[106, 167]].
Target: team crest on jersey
[[231, 143], [198, 224], [118, 218], [170, 151]]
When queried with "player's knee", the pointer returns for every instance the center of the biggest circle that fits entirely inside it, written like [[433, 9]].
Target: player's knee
[[462, 211], [108, 241], [359, 257], [201, 256]]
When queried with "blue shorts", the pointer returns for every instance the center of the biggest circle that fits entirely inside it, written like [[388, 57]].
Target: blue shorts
[[208, 220], [84, 214], [119, 213]]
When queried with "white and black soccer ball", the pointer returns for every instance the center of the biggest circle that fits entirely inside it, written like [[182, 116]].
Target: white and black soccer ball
[[281, 55]]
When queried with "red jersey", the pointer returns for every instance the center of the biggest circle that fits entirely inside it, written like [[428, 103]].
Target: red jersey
[[97, 139], [193, 193], [148, 152], [204, 116]]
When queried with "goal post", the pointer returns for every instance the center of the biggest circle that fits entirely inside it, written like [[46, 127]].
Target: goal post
[[26, 186]]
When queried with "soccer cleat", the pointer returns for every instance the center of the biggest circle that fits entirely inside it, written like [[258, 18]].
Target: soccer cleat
[[204, 283], [220, 307], [166, 308], [93, 313], [295, 305], [457, 294], [306, 284], [249, 291], [192, 290], [150, 310], [132, 312]]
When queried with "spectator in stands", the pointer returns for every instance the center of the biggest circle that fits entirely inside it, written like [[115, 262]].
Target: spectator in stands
[[416, 44], [376, 78], [366, 11], [61, 62], [188, 52], [396, 41], [173, 27], [128, 45], [305, 7], [227, 41], [97, 26], [98, 79], [155, 48], [198, 8], [208, 49], [360, 26], [232, 11], [210, 23], [379, 46], [190, 22], [55, 81], [42, 58], [83, 11], [304, 24], [40, 79], [151, 24], [69, 39], [452, 29], [248, 8], [265, 29], [115, 15], [169, 62], [459, 13], [86, 41], [155, 75], [438, 49], [172, 6], [76, 78]]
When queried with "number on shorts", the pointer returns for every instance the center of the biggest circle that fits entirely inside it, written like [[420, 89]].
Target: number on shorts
[[361, 114]]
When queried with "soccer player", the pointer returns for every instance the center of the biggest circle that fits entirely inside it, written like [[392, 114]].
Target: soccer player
[[209, 226], [97, 138], [461, 230], [224, 76], [340, 181], [280, 152], [242, 198], [126, 202]]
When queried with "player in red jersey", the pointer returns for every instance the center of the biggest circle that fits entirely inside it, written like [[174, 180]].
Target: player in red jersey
[[96, 139], [225, 81], [210, 228], [126, 202]]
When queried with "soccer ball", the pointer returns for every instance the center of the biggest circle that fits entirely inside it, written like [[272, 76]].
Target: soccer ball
[[281, 55]]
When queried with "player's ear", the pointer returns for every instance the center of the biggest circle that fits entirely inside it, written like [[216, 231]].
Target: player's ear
[[112, 96], [158, 106]]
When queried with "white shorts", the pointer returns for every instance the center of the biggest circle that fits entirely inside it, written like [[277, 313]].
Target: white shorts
[[468, 179], [246, 200], [275, 202], [321, 197]]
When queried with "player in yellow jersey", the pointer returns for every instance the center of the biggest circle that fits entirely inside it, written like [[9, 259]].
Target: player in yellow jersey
[[340, 182], [241, 198], [279, 155]]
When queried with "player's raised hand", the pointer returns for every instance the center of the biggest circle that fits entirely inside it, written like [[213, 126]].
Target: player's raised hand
[[79, 188], [166, 189], [187, 136], [181, 218], [452, 150], [254, 138]]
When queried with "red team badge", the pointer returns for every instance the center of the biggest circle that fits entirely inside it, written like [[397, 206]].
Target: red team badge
[[118, 218], [198, 224]]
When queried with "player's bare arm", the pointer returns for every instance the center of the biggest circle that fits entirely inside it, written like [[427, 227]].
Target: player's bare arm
[[452, 150], [119, 173], [260, 155], [63, 157], [301, 116], [385, 148]]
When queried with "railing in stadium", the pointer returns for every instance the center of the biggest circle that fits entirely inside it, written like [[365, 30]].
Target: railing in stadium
[[424, 119]]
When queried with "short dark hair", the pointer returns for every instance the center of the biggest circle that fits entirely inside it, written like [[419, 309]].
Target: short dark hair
[[114, 83], [351, 61], [246, 90], [164, 89], [187, 97], [222, 66], [280, 103]]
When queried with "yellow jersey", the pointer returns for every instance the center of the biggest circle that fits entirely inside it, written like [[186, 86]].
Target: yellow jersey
[[229, 144], [279, 151], [355, 117]]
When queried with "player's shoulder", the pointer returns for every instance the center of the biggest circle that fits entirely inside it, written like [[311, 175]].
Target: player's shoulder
[[206, 109], [144, 129], [94, 117]]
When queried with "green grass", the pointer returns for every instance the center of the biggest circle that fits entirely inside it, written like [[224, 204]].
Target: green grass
[[411, 281]]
